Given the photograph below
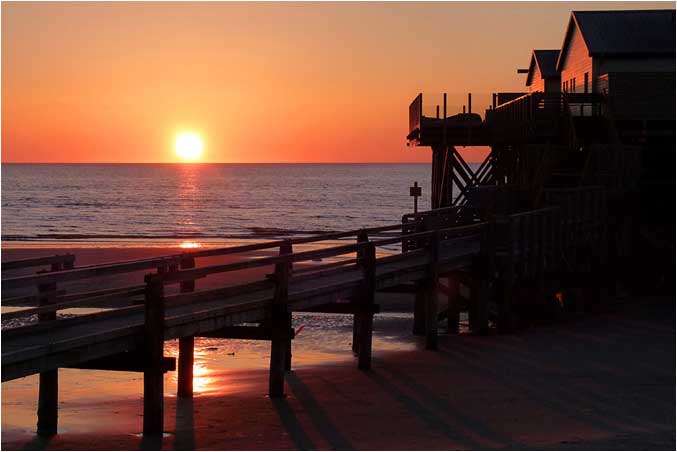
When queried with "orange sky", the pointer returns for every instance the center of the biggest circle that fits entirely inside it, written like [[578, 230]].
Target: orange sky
[[115, 82]]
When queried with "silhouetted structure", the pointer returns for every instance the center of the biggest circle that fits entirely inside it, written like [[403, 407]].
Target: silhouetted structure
[[542, 75], [599, 116], [536, 232]]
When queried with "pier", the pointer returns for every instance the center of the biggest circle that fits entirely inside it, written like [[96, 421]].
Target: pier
[[439, 251]]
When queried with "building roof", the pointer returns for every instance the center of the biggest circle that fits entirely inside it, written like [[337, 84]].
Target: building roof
[[546, 61], [624, 33]]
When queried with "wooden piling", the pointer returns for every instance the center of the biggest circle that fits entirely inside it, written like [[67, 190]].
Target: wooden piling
[[431, 293], [185, 368], [507, 282], [287, 248], [366, 302], [48, 391], [153, 384], [362, 237], [419, 310], [280, 331], [186, 344], [481, 325], [453, 311]]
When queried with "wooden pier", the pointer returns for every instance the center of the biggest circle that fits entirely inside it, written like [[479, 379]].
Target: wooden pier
[[440, 251]]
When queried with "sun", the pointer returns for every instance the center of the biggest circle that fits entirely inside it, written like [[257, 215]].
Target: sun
[[188, 146]]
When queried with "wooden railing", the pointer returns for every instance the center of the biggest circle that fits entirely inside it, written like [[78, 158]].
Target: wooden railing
[[515, 246], [56, 262], [543, 113], [415, 113], [59, 300]]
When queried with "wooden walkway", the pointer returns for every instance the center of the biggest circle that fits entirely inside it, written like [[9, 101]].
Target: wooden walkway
[[167, 306]]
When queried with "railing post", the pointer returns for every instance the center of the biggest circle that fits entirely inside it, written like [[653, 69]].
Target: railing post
[[286, 248], [431, 286], [279, 330], [186, 344], [153, 383], [48, 391], [366, 305]]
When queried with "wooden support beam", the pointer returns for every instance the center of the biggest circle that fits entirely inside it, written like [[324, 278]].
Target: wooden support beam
[[362, 237], [48, 391], [287, 248], [481, 307], [453, 304], [257, 333], [279, 322], [400, 288], [507, 280], [153, 384], [344, 308], [186, 363], [186, 344], [419, 310], [133, 361], [482, 268], [366, 301], [431, 293]]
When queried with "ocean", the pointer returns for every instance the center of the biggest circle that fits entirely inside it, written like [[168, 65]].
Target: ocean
[[161, 204]]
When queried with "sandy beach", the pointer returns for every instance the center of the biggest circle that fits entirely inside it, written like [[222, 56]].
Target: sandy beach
[[600, 382]]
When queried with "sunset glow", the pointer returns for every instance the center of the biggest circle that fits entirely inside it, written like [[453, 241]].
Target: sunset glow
[[189, 245], [259, 89], [188, 146]]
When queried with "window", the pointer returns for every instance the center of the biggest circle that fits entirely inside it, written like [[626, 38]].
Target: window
[[573, 85], [586, 80]]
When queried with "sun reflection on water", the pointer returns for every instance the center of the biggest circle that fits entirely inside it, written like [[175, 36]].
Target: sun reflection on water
[[188, 244], [202, 381]]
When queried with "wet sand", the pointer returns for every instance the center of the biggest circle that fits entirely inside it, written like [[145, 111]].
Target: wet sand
[[604, 382]]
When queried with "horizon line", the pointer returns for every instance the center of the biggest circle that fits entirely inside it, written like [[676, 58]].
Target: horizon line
[[211, 163]]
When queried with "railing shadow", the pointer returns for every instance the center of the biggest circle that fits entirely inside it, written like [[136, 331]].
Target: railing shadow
[[317, 414], [430, 418], [292, 424], [431, 399]]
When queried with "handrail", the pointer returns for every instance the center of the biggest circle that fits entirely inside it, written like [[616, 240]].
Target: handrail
[[185, 275], [108, 269], [191, 274], [533, 212], [77, 300], [38, 261], [446, 234]]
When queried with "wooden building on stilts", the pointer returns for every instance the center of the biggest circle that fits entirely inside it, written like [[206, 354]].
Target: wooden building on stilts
[[593, 134]]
